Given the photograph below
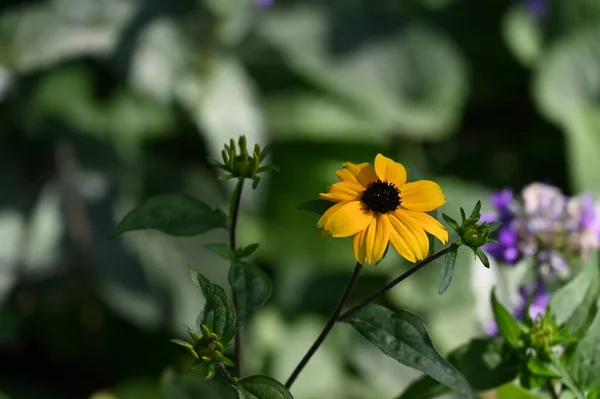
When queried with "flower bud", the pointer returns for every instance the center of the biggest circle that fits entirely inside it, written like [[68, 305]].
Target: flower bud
[[474, 235]]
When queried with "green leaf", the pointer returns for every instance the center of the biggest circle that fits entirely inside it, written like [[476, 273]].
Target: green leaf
[[573, 303], [567, 77], [567, 379], [593, 393], [451, 222], [585, 363], [173, 214], [513, 391], [255, 182], [530, 380], [218, 313], [463, 216], [216, 163], [183, 343], [485, 363], [522, 33], [447, 269], [267, 168], [482, 257], [251, 284], [494, 226], [316, 206], [510, 327], [476, 210], [403, 336], [192, 333], [538, 367], [222, 250], [261, 387], [396, 78], [245, 252]]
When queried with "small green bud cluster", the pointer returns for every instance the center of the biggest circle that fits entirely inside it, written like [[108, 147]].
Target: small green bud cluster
[[206, 349], [240, 164], [472, 233]]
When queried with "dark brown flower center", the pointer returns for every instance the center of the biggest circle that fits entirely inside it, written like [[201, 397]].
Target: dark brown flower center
[[381, 196]]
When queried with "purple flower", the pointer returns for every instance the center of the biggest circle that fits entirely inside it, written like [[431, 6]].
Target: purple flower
[[503, 202], [539, 8], [264, 3], [545, 225], [506, 248], [539, 303], [588, 218]]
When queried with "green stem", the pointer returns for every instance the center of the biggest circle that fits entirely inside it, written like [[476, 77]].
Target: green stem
[[225, 373], [330, 323], [234, 210], [350, 312], [551, 390]]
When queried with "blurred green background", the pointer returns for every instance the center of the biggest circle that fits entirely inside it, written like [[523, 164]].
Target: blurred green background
[[106, 102]]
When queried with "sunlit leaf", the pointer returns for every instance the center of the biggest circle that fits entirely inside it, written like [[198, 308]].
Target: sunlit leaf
[[573, 303], [485, 363], [585, 363], [173, 214], [414, 81], [510, 327], [403, 336], [261, 387]]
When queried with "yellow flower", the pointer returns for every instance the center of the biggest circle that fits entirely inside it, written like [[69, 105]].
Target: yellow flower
[[377, 206]]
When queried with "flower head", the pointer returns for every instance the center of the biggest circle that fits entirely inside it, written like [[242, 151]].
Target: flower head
[[377, 206], [544, 225]]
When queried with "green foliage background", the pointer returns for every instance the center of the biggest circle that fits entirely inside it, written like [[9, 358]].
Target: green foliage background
[[106, 102]]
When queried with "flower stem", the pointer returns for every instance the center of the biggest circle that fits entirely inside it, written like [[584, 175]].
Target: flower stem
[[551, 390], [225, 373], [330, 323], [234, 210], [350, 312]]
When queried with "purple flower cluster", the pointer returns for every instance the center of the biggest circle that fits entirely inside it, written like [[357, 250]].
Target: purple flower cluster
[[546, 227], [539, 8], [264, 3]]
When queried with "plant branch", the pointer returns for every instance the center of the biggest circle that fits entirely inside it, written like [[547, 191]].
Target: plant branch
[[551, 390], [350, 312], [234, 210], [330, 323], [226, 374]]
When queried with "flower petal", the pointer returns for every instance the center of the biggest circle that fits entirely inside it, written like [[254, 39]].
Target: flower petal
[[408, 240], [428, 223], [370, 244], [422, 195], [343, 191], [362, 173], [390, 171], [345, 219]]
